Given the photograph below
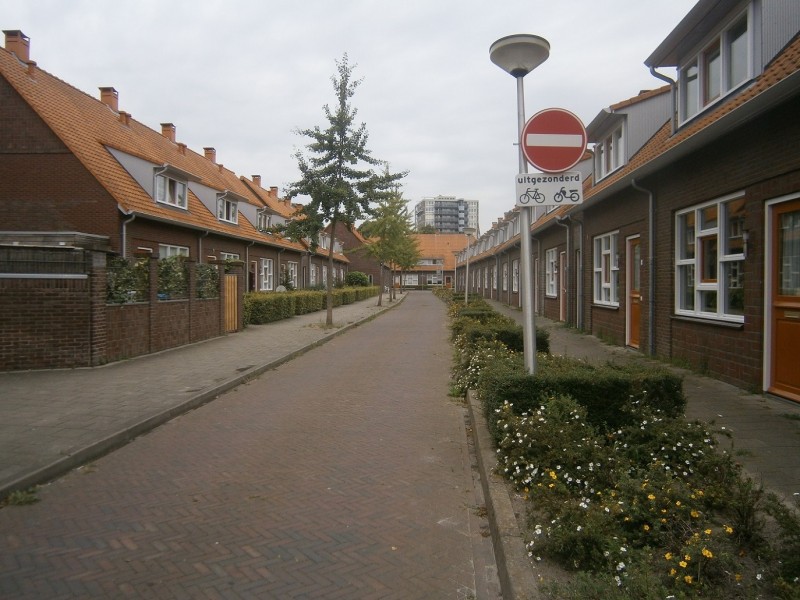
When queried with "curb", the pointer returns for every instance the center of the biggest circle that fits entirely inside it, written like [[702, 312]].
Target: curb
[[127, 434], [517, 579]]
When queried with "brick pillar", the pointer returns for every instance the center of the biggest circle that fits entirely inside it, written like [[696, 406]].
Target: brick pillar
[[191, 268], [220, 264], [98, 321], [153, 299]]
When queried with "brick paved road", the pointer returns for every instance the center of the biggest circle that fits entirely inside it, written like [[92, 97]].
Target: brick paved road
[[345, 473]]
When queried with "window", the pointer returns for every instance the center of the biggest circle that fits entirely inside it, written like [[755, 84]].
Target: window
[[292, 269], [720, 67], [551, 272], [515, 276], [324, 275], [228, 256], [494, 278], [606, 269], [264, 221], [710, 247], [171, 191], [227, 210], [505, 276], [609, 154], [167, 251], [410, 279], [267, 280], [312, 275]]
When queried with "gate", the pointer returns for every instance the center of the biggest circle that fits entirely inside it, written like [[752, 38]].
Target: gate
[[231, 303]]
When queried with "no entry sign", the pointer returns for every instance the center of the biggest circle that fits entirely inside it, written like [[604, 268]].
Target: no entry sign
[[553, 140]]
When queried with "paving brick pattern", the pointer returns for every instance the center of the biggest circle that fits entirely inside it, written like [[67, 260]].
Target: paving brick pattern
[[344, 473]]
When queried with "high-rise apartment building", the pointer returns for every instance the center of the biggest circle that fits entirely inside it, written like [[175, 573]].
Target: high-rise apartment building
[[447, 214]]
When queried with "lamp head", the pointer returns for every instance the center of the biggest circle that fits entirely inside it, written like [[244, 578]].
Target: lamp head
[[519, 54]]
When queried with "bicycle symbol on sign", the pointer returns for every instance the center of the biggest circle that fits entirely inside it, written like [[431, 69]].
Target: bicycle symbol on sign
[[563, 195], [532, 195]]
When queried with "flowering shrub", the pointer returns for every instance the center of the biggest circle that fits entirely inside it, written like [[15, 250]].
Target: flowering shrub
[[641, 507]]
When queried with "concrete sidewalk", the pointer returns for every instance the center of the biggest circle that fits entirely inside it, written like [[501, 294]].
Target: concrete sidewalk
[[763, 430], [52, 421]]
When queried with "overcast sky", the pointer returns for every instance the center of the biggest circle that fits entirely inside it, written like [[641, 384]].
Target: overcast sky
[[243, 75]]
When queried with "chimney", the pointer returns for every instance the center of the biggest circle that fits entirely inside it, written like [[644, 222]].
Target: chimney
[[18, 43], [168, 131], [31, 67], [125, 117], [110, 97], [182, 148], [257, 180], [211, 154], [273, 190]]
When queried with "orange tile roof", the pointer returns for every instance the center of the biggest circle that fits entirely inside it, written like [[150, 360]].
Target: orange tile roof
[[440, 246], [88, 126]]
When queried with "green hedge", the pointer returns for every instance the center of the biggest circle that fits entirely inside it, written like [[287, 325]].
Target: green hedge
[[267, 307], [608, 392]]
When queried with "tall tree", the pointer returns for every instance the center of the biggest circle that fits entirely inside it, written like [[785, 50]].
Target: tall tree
[[389, 231], [337, 173]]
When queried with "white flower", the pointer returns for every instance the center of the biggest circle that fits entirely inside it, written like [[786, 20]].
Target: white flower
[[620, 566]]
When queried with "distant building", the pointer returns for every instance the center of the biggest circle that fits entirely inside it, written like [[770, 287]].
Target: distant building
[[446, 214]]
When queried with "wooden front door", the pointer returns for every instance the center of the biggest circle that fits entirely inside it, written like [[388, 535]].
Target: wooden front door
[[785, 334], [634, 298]]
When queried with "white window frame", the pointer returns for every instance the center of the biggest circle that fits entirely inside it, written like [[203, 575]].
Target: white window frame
[[227, 210], [267, 275], [551, 273], [264, 220], [515, 275], [410, 279], [703, 286], [609, 153], [505, 276], [171, 191], [312, 274], [324, 275], [605, 263], [700, 84], [169, 250], [292, 269], [228, 256]]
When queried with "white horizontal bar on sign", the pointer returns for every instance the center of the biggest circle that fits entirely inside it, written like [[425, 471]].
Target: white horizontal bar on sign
[[554, 140]]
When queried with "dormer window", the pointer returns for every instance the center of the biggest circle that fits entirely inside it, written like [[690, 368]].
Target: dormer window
[[227, 209], [720, 67], [264, 221], [609, 154], [171, 191]]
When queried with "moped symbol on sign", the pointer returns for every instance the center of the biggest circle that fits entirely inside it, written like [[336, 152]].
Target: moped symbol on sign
[[549, 189]]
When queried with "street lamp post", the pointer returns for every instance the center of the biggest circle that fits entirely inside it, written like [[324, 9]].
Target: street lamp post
[[518, 55], [468, 231]]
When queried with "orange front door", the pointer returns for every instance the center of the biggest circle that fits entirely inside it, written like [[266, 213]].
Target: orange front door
[[785, 374], [634, 308]]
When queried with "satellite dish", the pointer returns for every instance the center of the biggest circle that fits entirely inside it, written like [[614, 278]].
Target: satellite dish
[[280, 288]]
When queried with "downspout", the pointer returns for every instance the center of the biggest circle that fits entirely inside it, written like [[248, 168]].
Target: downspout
[[533, 275], [124, 240], [563, 222], [673, 95], [651, 278]]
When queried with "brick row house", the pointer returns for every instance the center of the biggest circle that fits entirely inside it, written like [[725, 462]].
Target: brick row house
[[687, 244], [78, 172]]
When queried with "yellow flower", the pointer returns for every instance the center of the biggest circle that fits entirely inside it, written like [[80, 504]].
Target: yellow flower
[[694, 514], [728, 529], [668, 556], [552, 485], [651, 496], [688, 579], [738, 576], [707, 532], [707, 553], [677, 503], [683, 564], [687, 557], [672, 572], [553, 475], [646, 527]]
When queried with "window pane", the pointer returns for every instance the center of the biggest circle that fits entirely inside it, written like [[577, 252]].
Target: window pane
[[712, 63], [708, 217], [734, 287], [686, 283], [737, 63], [708, 258], [686, 233], [789, 254], [708, 301], [734, 228], [690, 91]]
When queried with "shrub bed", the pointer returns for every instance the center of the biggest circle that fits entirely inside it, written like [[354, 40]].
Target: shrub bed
[[626, 499], [266, 307]]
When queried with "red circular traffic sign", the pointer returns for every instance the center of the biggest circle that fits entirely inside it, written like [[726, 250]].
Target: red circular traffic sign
[[553, 140]]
